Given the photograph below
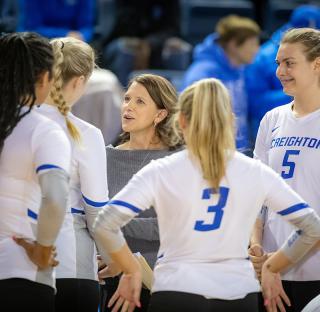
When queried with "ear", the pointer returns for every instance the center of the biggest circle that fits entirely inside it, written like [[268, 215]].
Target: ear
[[182, 121], [317, 64], [44, 79], [162, 114], [76, 82]]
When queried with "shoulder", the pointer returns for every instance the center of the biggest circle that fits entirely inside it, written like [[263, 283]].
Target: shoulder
[[172, 159], [244, 165], [86, 129], [271, 117]]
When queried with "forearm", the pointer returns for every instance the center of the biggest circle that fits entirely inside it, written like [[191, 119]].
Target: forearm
[[302, 241], [277, 262], [107, 231], [55, 190], [256, 234], [125, 260]]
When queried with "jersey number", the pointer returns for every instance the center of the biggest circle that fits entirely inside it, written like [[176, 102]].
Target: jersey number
[[217, 209], [290, 164]]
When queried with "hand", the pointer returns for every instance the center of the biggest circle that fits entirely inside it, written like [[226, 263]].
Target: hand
[[43, 257], [273, 291], [127, 295], [257, 258]]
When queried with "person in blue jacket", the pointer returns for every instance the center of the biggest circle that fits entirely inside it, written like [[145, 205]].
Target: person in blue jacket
[[58, 18], [264, 88], [223, 55]]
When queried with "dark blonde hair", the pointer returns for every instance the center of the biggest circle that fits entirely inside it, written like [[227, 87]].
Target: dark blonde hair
[[234, 27], [210, 133], [73, 58], [308, 37], [165, 97]]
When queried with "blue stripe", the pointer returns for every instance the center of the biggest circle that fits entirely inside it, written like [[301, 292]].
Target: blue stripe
[[46, 166], [93, 203], [161, 256], [293, 208], [124, 204], [32, 214], [74, 210]]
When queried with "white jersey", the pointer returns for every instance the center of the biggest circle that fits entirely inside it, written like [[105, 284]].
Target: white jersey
[[291, 146], [204, 236], [88, 188], [35, 145]]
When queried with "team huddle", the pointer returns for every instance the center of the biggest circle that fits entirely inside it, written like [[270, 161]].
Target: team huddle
[[221, 231]]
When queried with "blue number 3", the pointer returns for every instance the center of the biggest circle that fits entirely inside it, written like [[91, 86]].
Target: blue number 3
[[217, 209]]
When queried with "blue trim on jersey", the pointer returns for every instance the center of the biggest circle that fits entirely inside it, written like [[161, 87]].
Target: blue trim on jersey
[[293, 208], [161, 256], [47, 166], [124, 204], [93, 203], [32, 215], [75, 210]]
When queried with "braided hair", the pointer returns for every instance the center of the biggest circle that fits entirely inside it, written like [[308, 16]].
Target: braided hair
[[73, 58], [24, 58]]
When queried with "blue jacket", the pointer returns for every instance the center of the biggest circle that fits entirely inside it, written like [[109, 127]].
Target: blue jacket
[[55, 18], [210, 61], [264, 88]]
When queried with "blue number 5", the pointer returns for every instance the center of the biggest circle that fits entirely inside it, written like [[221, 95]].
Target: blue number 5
[[217, 209], [290, 164]]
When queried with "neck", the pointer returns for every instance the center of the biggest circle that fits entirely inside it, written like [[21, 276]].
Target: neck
[[49, 101], [141, 141], [307, 103], [232, 59]]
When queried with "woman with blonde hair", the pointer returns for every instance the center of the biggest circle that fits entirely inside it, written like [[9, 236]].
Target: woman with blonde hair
[[148, 120], [77, 282], [288, 142], [206, 198]]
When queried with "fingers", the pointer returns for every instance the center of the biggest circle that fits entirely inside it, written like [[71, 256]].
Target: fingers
[[125, 306], [118, 304], [279, 304], [113, 299], [23, 243], [285, 298]]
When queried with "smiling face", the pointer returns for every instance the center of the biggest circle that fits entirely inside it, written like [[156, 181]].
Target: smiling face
[[139, 111], [294, 71]]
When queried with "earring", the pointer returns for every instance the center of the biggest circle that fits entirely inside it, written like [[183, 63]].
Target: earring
[[154, 123]]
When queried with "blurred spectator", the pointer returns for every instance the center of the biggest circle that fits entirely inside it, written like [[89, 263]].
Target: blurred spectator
[[58, 18], [223, 55], [264, 88], [8, 15], [101, 104], [144, 35]]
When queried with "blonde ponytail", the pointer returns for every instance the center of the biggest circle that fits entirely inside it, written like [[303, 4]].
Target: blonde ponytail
[[210, 133], [73, 58]]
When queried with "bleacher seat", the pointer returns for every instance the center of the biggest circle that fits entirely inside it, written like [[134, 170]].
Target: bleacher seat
[[199, 17]]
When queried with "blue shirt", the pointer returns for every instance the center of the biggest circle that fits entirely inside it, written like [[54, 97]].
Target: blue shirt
[[210, 61], [55, 18]]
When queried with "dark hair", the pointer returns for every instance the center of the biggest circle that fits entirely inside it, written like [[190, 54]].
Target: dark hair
[[24, 57]]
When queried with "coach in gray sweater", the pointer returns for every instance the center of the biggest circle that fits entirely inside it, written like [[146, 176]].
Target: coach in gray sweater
[[148, 121]]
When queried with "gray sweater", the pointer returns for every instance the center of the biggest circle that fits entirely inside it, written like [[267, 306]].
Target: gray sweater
[[142, 232]]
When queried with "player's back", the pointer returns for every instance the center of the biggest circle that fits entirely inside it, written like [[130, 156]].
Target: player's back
[[204, 235]]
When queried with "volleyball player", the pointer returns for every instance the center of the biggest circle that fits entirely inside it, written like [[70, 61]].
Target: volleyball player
[[289, 142], [77, 283], [206, 198], [34, 165]]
